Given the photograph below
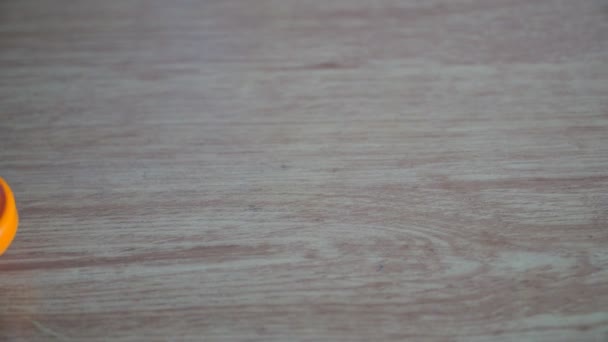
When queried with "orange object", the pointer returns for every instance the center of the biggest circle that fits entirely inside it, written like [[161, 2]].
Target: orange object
[[8, 216]]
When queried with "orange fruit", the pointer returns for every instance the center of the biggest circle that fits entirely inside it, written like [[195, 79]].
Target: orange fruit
[[9, 219]]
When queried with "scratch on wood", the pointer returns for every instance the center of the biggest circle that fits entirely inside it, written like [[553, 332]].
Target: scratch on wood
[[49, 331]]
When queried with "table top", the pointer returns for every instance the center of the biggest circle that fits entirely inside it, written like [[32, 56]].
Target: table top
[[283, 170]]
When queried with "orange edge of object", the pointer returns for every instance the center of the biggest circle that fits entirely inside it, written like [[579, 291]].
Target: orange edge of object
[[9, 219]]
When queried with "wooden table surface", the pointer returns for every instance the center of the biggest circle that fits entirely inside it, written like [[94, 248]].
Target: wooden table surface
[[282, 170]]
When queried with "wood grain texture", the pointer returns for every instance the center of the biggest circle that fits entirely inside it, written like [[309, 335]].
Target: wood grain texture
[[282, 170]]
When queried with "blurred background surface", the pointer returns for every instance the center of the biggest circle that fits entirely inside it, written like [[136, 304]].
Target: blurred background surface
[[305, 170]]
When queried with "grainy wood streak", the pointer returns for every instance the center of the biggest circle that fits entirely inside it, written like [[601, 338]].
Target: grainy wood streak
[[283, 170]]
